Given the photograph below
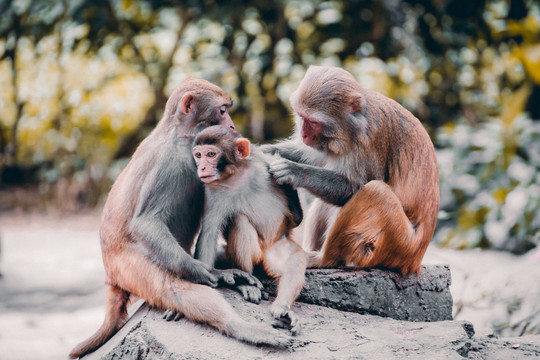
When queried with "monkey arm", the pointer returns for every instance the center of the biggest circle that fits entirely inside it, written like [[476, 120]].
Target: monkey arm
[[206, 248], [150, 225], [155, 236], [287, 149], [292, 150], [333, 187], [293, 203]]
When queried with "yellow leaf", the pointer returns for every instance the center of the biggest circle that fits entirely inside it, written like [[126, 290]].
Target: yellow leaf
[[530, 57], [500, 194], [515, 105]]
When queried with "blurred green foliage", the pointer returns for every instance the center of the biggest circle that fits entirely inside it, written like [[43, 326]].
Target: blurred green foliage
[[82, 82]]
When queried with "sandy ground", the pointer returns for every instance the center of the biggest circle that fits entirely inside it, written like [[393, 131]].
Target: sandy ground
[[52, 294]]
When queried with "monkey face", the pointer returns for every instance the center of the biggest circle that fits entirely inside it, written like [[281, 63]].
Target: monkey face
[[207, 158], [311, 132], [225, 118]]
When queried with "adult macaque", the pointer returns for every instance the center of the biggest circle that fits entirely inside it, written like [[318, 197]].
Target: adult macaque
[[372, 168], [254, 214], [150, 221]]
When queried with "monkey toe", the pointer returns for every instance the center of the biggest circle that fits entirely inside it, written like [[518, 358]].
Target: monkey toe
[[250, 293], [172, 315], [285, 319], [296, 325], [282, 340]]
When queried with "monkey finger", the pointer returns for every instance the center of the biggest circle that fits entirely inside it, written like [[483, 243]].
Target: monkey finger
[[224, 276], [208, 279], [251, 279], [228, 278], [250, 293], [278, 169], [202, 275], [212, 281]]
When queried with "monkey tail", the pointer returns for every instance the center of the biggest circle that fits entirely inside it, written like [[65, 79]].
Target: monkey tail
[[115, 318]]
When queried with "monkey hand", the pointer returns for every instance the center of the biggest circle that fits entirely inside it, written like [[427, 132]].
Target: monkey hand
[[268, 149], [285, 171], [200, 272], [285, 318], [236, 277]]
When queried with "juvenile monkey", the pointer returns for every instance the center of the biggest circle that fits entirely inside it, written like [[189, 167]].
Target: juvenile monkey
[[151, 218], [372, 168], [253, 212]]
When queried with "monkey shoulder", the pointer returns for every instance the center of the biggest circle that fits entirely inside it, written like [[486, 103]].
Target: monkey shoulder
[[166, 177]]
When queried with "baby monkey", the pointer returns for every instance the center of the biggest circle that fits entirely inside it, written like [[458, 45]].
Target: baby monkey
[[254, 214]]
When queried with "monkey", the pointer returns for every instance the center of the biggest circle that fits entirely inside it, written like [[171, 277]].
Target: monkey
[[371, 167], [151, 218], [254, 214]]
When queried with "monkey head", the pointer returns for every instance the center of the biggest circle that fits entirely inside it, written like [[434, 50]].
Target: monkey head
[[196, 104], [219, 152], [326, 107]]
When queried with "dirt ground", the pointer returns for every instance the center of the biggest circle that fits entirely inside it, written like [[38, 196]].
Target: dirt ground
[[52, 294]]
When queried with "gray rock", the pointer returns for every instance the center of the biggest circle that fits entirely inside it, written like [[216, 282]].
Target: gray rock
[[425, 297], [327, 334]]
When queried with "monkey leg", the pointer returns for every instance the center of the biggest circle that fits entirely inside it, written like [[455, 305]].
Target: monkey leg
[[286, 261], [115, 317], [243, 250], [372, 229], [196, 302], [317, 223]]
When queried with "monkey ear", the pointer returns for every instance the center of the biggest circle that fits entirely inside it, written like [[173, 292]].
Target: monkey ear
[[186, 104], [355, 103], [242, 148]]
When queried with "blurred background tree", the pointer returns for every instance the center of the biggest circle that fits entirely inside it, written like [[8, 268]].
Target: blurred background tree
[[83, 82]]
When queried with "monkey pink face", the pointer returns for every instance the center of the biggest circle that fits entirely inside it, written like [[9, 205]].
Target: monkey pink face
[[207, 158], [311, 131]]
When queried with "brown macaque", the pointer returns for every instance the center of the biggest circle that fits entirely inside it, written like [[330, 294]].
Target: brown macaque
[[150, 221], [254, 214], [372, 168]]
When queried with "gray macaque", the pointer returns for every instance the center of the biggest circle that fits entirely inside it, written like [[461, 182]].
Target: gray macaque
[[254, 214]]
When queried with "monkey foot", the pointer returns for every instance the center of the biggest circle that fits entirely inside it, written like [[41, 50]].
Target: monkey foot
[[261, 335], [285, 319], [231, 277], [252, 293], [172, 315]]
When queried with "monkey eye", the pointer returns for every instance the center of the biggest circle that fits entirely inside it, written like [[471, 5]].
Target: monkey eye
[[223, 109], [198, 155], [211, 154]]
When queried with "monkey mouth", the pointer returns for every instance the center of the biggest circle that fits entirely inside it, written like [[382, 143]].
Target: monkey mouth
[[309, 140], [207, 178]]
